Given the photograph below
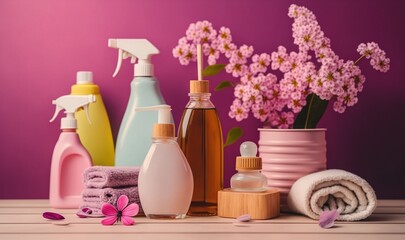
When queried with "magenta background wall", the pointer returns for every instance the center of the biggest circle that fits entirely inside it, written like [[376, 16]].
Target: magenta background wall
[[44, 42]]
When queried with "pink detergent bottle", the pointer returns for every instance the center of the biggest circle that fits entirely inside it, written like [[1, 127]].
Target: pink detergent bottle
[[69, 158]]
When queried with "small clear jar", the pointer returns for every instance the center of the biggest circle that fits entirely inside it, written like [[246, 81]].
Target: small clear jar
[[249, 181], [249, 178]]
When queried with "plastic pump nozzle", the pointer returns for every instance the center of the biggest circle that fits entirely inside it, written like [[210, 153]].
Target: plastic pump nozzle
[[163, 112], [163, 128], [140, 49], [71, 103]]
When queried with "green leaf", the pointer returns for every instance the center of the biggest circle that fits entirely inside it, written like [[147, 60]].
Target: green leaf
[[311, 113], [233, 135], [223, 84], [213, 70]]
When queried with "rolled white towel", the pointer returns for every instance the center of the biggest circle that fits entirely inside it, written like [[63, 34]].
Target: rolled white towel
[[331, 189]]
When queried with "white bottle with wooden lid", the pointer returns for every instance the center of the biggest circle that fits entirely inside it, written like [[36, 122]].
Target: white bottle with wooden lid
[[165, 181]]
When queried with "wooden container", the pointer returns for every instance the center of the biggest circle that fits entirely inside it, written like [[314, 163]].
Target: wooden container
[[259, 205]]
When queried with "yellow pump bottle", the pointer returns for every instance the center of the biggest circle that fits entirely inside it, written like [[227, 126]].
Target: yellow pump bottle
[[96, 137]]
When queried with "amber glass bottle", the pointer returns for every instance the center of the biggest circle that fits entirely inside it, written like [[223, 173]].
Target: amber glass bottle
[[200, 138]]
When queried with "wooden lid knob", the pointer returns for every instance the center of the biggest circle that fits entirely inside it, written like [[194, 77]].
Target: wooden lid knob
[[199, 86]]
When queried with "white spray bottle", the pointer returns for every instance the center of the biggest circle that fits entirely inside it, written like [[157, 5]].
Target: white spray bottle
[[69, 158], [134, 136], [165, 181]]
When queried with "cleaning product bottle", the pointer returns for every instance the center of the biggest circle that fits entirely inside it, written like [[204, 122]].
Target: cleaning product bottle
[[96, 138], [165, 180], [69, 158], [200, 138], [248, 178], [134, 136]]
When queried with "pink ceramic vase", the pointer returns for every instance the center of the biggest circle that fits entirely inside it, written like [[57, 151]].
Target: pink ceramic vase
[[288, 154]]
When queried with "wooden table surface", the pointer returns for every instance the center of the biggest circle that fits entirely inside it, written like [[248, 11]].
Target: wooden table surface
[[22, 219]]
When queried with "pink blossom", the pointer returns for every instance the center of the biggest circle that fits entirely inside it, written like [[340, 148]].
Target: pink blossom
[[280, 60], [240, 55], [380, 62], [225, 44], [282, 120], [260, 63], [238, 111], [258, 84], [377, 57], [297, 59], [123, 212], [368, 50], [185, 52], [239, 91], [225, 35], [237, 69], [201, 32], [212, 51], [295, 11], [250, 98], [247, 77], [307, 36], [259, 111]]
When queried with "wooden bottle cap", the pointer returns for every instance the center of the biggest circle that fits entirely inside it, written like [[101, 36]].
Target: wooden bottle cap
[[248, 163], [199, 86], [163, 130]]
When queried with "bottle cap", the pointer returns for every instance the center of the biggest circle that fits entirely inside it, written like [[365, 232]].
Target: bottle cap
[[84, 77], [163, 130], [248, 163], [248, 159], [199, 86]]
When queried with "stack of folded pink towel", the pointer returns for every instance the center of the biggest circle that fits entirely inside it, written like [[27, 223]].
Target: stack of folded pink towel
[[106, 184]]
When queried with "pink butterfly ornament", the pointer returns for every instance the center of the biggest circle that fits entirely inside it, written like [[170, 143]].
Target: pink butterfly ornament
[[123, 212]]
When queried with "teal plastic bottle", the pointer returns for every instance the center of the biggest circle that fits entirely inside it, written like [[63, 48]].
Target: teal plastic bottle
[[134, 136]]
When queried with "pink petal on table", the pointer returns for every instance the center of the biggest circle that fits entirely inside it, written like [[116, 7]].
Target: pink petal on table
[[81, 214], [52, 216], [87, 210], [131, 210], [109, 210], [110, 220], [122, 202], [327, 218], [84, 213], [127, 220], [244, 218]]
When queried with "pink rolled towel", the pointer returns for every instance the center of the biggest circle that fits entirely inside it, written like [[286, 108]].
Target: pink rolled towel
[[110, 177], [94, 198]]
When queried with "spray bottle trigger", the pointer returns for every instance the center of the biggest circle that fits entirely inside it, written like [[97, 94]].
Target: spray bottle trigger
[[86, 109], [120, 57], [127, 55], [57, 110], [133, 59]]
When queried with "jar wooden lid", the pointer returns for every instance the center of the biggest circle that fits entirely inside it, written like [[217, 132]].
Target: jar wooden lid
[[248, 163], [199, 86]]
